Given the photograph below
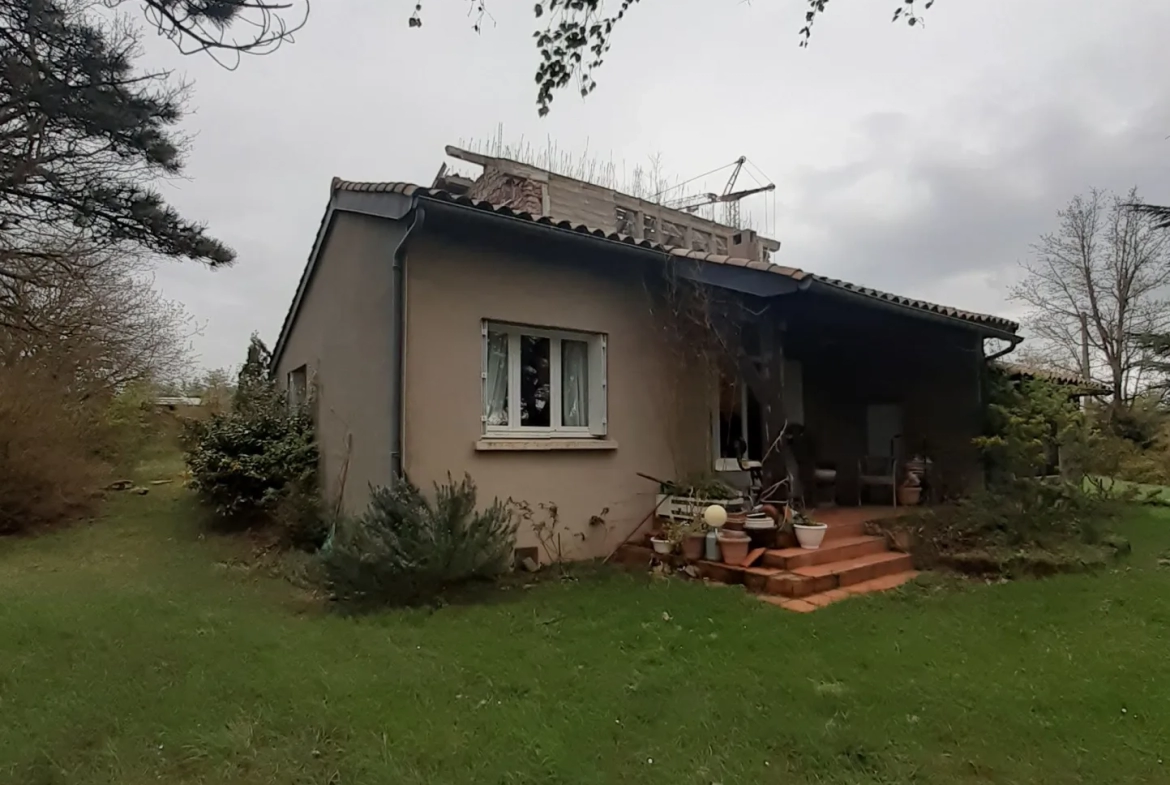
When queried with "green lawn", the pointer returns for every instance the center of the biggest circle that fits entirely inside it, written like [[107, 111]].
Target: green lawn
[[132, 651], [1141, 488]]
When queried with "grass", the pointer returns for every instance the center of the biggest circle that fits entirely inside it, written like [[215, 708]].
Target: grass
[[1142, 489], [132, 650]]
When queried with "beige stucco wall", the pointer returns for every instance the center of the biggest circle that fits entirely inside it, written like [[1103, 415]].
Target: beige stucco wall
[[450, 290], [343, 334]]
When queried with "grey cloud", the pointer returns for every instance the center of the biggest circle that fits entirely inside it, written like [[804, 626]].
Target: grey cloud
[[968, 135], [982, 212]]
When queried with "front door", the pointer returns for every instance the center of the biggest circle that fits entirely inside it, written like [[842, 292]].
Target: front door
[[883, 426]]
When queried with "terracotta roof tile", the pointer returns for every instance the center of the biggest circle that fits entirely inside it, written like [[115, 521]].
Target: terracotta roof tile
[[1060, 377], [410, 189]]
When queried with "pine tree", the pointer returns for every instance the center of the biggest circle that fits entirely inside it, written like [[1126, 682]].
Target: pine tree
[[82, 136]]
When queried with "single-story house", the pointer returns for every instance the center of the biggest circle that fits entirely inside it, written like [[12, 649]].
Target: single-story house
[[436, 332], [1078, 386]]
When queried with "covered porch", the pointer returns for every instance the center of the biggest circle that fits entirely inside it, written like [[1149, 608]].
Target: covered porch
[[872, 398]]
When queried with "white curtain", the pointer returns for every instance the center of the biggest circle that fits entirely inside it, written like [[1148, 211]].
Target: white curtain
[[495, 385], [574, 384]]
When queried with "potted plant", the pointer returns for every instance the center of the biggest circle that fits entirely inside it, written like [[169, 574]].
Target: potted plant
[[692, 539], [761, 528], [661, 544], [668, 539], [734, 546], [809, 533], [686, 499], [910, 491]]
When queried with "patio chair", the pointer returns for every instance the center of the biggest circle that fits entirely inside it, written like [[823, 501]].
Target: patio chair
[[877, 470]]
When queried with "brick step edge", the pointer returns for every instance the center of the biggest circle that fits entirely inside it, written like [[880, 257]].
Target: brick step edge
[[838, 575], [814, 601], [842, 549]]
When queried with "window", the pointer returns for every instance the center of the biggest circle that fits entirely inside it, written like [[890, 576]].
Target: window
[[721, 245], [673, 234], [738, 428], [539, 382], [700, 241], [298, 387], [649, 228], [626, 220]]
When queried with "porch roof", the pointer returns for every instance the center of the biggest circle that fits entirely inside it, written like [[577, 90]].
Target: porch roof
[[829, 284], [1084, 386], [986, 323]]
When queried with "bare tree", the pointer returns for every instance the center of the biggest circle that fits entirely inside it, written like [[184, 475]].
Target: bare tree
[[573, 36], [1105, 267], [91, 317]]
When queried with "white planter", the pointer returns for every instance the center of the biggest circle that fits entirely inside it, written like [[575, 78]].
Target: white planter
[[757, 521], [661, 547], [687, 508], [810, 536]]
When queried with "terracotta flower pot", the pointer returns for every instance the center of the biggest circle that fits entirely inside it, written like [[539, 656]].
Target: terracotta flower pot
[[908, 495], [734, 546], [735, 521], [692, 546]]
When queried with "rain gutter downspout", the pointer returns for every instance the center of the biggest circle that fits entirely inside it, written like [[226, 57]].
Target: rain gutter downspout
[[1013, 343], [398, 359]]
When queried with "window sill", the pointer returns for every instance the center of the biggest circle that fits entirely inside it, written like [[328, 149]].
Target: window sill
[[511, 443]]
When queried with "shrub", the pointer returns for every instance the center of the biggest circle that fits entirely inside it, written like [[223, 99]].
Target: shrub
[[257, 464], [300, 516], [1029, 521], [49, 467], [243, 464], [404, 549]]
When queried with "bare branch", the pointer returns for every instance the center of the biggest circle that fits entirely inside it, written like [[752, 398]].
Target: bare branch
[[1107, 263]]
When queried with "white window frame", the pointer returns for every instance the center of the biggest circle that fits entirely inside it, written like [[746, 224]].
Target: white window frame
[[793, 404], [598, 385], [298, 394]]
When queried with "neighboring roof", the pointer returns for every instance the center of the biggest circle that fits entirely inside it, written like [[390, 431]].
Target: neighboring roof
[[177, 401], [412, 190], [1091, 386]]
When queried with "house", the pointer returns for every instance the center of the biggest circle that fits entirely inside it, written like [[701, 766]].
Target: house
[[1078, 388], [551, 357], [181, 406]]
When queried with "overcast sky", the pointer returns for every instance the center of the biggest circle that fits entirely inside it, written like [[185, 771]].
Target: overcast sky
[[920, 161]]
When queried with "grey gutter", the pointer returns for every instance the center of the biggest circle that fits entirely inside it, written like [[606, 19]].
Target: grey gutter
[[824, 287], [1011, 348], [398, 361], [809, 282]]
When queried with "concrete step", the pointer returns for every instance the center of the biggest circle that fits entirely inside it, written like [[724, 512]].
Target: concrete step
[[840, 549]]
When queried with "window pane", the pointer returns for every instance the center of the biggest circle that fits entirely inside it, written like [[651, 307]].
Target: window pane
[[574, 384], [730, 418], [535, 372], [625, 220], [650, 228], [672, 233], [495, 384]]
